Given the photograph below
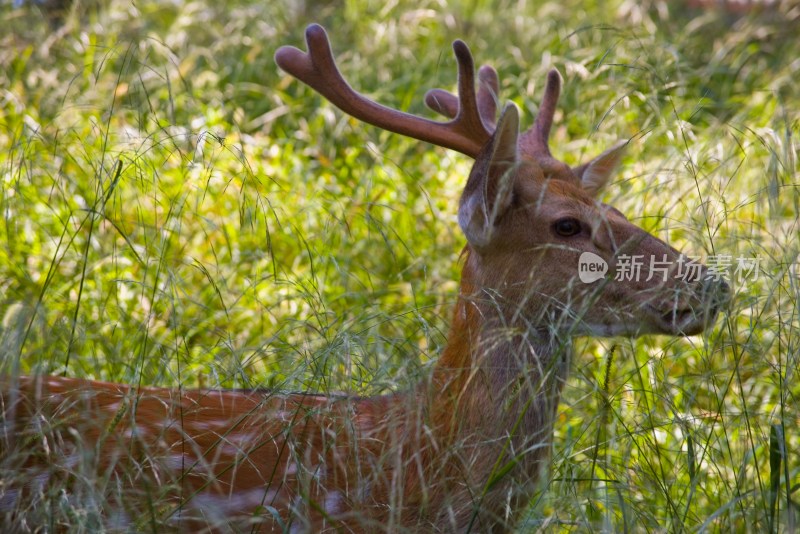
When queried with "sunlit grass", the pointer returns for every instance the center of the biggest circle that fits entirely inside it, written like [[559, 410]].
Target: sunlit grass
[[178, 211]]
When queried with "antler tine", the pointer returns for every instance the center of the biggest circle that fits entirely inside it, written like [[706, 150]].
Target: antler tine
[[535, 140], [317, 69], [447, 104]]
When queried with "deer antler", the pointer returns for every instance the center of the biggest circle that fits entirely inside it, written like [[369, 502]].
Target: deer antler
[[447, 104], [473, 118], [534, 142]]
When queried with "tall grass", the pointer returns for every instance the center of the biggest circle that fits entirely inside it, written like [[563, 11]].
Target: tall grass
[[175, 210]]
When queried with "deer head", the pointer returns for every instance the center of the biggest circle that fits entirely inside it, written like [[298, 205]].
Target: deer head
[[529, 218]]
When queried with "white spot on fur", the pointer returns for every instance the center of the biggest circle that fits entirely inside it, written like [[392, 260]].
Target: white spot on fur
[[55, 398], [291, 468], [333, 502], [283, 415], [244, 438], [8, 500], [211, 501], [176, 462], [39, 481], [231, 449], [203, 425], [136, 432], [71, 461], [294, 506], [118, 520], [54, 382], [240, 501]]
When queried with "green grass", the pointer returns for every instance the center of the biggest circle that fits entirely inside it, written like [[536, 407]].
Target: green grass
[[176, 210]]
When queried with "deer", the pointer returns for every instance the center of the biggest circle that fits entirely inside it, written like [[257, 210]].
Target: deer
[[465, 449]]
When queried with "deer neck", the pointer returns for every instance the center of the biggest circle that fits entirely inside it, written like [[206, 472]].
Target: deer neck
[[497, 383]]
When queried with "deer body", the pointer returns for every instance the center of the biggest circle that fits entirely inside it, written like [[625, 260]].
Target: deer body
[[461, 451], [414, 461]]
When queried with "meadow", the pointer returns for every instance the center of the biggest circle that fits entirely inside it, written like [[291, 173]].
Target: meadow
[[178, 211]]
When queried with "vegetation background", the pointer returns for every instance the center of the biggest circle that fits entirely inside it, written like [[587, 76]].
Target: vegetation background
[[176, 210]]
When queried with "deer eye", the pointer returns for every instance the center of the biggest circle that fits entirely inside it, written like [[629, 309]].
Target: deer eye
[[567, 227]]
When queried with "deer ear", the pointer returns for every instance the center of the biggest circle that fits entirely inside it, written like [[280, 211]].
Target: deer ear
[[490, 186], [595, 174]]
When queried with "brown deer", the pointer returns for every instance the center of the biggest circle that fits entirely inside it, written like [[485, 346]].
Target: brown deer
[[463, 450]]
